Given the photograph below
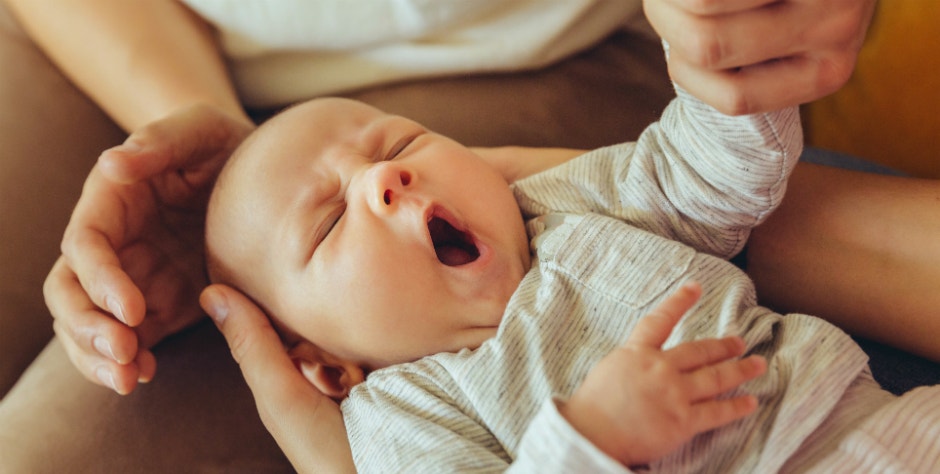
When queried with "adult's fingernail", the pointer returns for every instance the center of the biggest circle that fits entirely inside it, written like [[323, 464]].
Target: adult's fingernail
[[106, 377], [214, 304], [103, 346], [114, 306]]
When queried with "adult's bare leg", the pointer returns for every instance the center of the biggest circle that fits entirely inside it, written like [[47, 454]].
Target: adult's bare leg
[[199, 414], [859, 249], [50, 136]]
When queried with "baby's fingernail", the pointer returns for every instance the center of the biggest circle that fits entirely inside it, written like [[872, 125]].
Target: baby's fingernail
[[115, 308], [103, 346], [106, 377]]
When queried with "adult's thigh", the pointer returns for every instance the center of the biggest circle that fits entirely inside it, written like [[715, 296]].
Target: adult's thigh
[[197, 414], [50, 136]]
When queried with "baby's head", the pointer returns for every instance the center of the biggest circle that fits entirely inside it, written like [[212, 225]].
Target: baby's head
[[367, 239]]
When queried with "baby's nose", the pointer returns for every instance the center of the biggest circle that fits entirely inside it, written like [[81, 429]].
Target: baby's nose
[[390, 182]]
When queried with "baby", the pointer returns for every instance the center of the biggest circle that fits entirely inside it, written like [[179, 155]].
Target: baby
[[488, 317], [317, 221]]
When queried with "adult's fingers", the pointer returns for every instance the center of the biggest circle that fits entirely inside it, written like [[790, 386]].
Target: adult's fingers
[[189, 139], [799, 50], [254, 344], [748, 33], [122, 378], [104, 350], [89, 255], [306, 424], [767, 86], [722, 36], [104, 219], [653, 329], [710, 7], [77, 318]]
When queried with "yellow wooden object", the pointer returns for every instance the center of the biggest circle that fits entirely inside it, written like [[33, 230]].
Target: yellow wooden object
[[889, 111]]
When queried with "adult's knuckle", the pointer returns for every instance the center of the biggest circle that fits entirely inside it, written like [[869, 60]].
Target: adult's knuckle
[[51, 287], [71, 240], [733, 101], [833, 71], [703, 47], [61, 329], [700, 7], [850, 21]]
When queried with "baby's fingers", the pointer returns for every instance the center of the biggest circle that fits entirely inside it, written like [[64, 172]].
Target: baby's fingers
[[714, 413], [692, 355], [713, 380], [654, 328]]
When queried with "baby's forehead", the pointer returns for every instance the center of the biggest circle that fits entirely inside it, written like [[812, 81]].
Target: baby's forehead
[[326, 119], [331, 112]]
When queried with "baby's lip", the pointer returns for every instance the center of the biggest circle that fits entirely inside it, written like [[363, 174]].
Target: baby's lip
[[453, 244]]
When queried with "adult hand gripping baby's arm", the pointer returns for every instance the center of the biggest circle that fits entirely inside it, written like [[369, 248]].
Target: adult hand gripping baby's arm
[[640, 402], [306, 424], [751, 56], [132, 259]]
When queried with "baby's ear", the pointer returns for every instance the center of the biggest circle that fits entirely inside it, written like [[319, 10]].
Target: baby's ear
[[332, 376]]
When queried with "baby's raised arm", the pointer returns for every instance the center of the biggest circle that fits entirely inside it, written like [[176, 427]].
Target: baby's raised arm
[[641, 402]]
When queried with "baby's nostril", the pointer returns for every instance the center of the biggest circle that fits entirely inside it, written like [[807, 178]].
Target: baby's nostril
[[388, 196], [405, 178]]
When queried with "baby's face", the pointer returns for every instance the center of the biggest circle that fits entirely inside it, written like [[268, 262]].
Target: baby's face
[[368, 235]]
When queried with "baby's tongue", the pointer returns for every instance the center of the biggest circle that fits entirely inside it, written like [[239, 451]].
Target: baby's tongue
[[452, 255]]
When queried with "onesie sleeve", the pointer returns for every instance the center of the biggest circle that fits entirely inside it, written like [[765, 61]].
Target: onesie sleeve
[[551, 445], [407, 427], [696, 176]]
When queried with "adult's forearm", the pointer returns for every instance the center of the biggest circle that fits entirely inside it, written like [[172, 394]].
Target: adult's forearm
[[858, 249], [139, 60]]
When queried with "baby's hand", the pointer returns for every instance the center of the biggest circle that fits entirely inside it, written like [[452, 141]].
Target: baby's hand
[[642, 402]]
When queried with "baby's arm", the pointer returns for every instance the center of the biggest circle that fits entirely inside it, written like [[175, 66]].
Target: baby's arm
[[640, 402], [705, 178], [696, 176]]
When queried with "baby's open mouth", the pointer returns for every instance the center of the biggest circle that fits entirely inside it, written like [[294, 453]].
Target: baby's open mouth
[[454, 247]]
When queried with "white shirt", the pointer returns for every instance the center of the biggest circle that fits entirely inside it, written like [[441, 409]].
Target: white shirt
[[282, 51]]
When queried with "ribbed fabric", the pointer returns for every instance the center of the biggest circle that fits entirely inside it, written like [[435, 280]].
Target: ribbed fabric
[[901, 437], [614, 232]]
